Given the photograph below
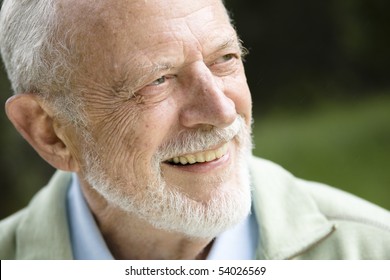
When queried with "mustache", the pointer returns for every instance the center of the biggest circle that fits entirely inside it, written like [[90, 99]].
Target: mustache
[[188, 142]]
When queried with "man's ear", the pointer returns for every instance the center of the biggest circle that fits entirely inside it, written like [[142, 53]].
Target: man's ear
[[31, 118]]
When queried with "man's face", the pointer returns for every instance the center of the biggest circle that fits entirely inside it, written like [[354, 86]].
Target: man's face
[[169, 114]]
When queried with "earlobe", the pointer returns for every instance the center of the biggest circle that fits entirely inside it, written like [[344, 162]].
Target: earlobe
[[33, 121]]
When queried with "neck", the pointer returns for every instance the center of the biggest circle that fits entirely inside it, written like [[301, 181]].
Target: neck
[[131, 238]]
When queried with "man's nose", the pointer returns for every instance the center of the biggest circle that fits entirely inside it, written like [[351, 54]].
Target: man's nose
[[207, 104]]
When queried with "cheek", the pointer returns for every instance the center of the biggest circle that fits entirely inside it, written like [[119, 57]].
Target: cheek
[[130, 140], [237, 89]]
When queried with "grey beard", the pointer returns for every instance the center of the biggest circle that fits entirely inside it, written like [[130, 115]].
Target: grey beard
[[166, 208]]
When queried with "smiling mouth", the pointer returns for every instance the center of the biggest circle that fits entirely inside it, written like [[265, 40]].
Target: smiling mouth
[[199, 157]]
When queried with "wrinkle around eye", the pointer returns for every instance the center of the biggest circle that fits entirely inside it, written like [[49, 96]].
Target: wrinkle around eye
[[226, 64], [162, 80], [159, 87], [158, 81], [225, 58]]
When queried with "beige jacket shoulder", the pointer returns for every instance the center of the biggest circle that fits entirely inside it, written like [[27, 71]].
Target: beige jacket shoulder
[[297, 220], [40, 231], [306, 220]]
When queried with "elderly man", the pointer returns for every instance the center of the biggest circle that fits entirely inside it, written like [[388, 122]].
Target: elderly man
[[144, 107]]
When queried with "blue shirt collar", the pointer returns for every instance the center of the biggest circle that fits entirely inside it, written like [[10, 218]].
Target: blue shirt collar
[[87, 241], [237, 243]]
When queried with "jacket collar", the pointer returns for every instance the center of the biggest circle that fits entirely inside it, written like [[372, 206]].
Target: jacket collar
[[43, 233], [289, 219]]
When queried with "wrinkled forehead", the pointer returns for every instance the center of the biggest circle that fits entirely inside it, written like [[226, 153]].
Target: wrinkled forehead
[[113, 16], [108, 29]]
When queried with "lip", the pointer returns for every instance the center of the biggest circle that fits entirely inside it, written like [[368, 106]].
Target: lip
[[203, 167]]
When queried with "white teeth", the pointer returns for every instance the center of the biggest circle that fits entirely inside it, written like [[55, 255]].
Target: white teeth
[[183, 160], [201, 156], [191, 159], [219, 153], [210, 156]]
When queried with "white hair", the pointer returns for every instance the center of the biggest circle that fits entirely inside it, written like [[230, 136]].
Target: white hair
[[36, 53]]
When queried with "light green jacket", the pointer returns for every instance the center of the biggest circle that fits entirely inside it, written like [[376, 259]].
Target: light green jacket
[[297, 220]]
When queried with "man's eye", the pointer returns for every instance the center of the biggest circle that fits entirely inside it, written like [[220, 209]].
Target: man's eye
[[225, 58], [159, 81]]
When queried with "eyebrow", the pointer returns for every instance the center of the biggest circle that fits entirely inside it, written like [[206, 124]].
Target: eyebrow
[[159, 67], [232, 42], [151, 70], [228, 42], [127, 84]]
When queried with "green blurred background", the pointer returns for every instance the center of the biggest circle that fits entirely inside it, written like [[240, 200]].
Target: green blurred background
[[320, 80]]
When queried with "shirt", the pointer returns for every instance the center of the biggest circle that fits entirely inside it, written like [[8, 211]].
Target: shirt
[[237, 243]]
